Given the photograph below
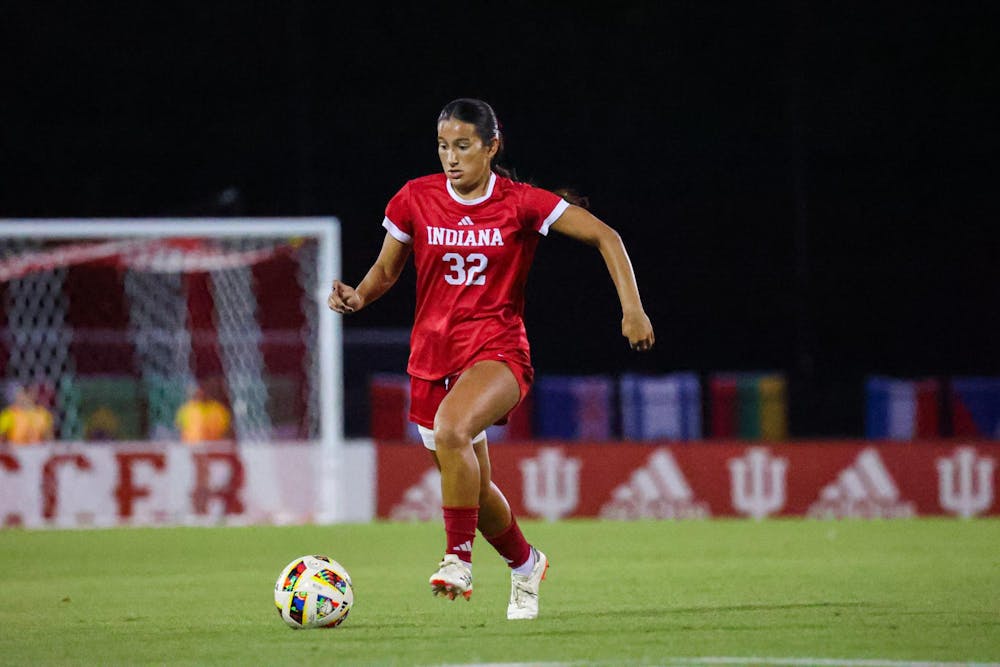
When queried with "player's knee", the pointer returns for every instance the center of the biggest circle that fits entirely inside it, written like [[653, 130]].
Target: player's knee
[[448, 435]]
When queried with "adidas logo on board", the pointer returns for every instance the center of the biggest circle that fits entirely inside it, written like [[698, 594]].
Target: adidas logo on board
[[422, 501], [864, 490], [658, 490]]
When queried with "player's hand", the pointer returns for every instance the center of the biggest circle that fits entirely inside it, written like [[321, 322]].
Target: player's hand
[[639, 330], [344, 298]]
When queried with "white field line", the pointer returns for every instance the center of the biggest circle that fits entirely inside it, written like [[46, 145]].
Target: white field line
[[819, 662], [748, 661]]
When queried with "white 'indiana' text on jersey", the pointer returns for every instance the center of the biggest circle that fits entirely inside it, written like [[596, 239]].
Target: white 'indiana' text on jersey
[[464, 238]]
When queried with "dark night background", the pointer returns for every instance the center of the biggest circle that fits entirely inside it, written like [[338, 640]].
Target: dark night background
[[803, 187]]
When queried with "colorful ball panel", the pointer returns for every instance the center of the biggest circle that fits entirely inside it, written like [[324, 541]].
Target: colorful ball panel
[[313, 592]]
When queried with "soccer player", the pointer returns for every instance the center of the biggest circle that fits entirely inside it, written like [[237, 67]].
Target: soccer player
[[473, 232]]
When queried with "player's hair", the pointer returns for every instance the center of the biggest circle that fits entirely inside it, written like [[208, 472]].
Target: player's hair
[[480, 115]]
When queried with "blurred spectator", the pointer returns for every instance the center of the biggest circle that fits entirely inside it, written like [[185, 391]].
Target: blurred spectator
[[202, 418], [25, 421], [102, 424]]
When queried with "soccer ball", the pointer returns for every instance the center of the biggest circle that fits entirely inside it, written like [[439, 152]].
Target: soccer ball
[[313, 592]]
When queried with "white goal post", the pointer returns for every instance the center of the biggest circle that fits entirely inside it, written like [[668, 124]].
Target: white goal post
[[150, 258]]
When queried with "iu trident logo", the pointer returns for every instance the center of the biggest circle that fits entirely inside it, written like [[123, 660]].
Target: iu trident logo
[[551, 483], [965, 482], [758, 482]]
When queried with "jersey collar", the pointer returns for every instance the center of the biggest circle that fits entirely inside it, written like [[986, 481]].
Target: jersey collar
[[473, 202]]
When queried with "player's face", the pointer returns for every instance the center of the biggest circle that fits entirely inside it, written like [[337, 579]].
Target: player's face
[[464, 157]]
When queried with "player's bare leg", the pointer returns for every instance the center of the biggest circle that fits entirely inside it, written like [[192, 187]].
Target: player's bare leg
[[494, 510], [482, 395], [497, 524]]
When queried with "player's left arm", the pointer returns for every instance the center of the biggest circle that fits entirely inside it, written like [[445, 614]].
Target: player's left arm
[[580, 224]]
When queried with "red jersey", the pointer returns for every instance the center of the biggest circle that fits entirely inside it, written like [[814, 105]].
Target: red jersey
[[472, 259]]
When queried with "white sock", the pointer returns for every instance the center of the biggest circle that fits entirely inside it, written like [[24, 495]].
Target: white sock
[[524, 569]]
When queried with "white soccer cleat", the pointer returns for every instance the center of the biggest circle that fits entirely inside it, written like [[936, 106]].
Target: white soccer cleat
[[524, 589], [453, 578]]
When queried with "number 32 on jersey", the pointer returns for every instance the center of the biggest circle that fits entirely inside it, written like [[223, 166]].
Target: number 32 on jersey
[[467, 270]]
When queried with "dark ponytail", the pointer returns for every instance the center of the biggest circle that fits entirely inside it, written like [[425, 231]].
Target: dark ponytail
[[573, 197], [481, 115]]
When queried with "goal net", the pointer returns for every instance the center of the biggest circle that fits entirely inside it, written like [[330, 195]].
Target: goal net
[[112, 323]]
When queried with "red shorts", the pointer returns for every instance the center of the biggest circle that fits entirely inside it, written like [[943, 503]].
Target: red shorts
[[426, 395]]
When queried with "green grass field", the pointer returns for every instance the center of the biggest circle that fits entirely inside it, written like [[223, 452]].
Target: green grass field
[[617, 593]]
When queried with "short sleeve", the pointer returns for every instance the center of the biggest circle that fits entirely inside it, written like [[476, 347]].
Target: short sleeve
[[398, 217], [541, 208]]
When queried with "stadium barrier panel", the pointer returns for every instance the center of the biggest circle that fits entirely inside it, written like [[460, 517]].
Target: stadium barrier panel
[[749, 406], [80, 485], [744, 406], [974, 406], [389, 398], [574, 407], [660, 407], [863, 479], [902, 409]]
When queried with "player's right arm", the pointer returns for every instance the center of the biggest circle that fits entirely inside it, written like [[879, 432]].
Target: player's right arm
[[383, 275]]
